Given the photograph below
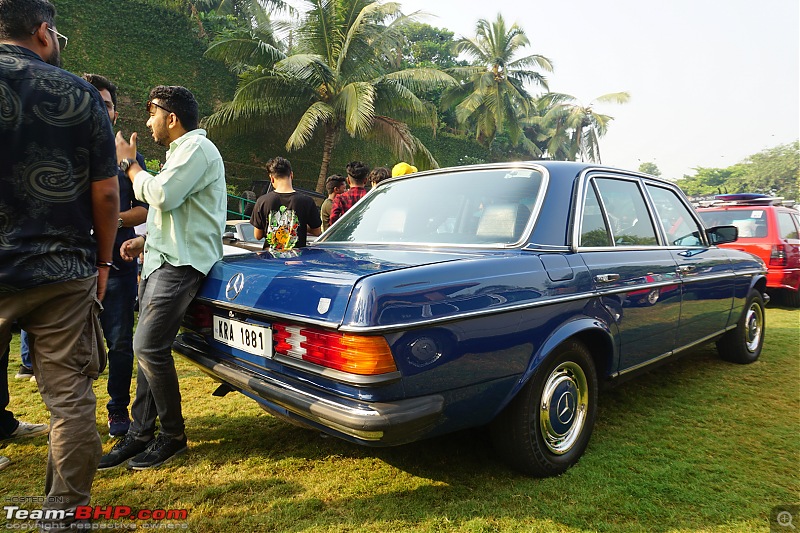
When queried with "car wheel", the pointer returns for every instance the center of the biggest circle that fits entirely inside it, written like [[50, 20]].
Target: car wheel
[[792, 297], [546, 427], [743, 344], [652, 297]]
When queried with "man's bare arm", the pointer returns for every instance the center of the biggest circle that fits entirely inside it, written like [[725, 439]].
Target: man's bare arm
[[133, 216], [105, 216]]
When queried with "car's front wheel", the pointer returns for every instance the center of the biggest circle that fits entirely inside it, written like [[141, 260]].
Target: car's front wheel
[[743, 344], [547, 426]]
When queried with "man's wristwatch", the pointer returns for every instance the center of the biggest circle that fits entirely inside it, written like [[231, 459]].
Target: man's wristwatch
[[119, 223], [125, 164]]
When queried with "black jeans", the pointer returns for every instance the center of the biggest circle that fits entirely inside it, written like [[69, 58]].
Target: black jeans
[[163, 299]]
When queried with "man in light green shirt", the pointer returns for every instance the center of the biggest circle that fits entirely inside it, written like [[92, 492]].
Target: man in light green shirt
[[184, 239]]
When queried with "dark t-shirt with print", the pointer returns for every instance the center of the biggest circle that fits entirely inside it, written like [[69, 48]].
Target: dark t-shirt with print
[[55, 140], [284, 218]]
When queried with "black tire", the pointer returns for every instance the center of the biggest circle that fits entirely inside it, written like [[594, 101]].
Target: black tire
[[743, 344], [792, 298], [530, 434]]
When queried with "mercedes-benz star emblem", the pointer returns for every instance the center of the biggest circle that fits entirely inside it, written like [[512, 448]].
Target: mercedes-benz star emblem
[[566, 408], [234, 286]]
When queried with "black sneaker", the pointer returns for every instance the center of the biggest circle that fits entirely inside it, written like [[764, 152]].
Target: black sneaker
[[24, 373], [127, 447], [118, 423], [161, 450]]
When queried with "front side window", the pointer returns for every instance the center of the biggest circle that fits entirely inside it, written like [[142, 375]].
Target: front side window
[[490, 207], [679, 226], [627, 212]]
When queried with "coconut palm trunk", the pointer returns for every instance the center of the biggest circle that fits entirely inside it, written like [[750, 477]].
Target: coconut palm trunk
[[327, 150]]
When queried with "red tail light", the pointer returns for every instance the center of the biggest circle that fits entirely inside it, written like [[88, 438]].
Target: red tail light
[[356, 354], [778, 255], [198, 317]]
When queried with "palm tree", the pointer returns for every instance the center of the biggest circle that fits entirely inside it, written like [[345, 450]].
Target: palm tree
[[493, 97], [337, 80], [574, 129]]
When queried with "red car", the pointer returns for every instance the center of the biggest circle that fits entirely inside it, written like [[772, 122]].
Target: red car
[[769, 229]]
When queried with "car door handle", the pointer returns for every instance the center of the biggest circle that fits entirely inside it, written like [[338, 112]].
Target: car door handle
[[686, 269], [606, 278]]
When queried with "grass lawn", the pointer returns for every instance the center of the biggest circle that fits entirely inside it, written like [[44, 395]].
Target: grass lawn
[[695, 445]]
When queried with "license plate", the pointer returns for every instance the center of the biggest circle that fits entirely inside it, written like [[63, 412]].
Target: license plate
[[249, 338]]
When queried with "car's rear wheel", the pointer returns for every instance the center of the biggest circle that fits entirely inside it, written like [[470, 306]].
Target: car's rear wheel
[[743, 344], [547, 426]]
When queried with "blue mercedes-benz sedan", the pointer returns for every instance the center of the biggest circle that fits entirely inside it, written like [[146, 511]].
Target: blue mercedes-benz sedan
[[499, 295]]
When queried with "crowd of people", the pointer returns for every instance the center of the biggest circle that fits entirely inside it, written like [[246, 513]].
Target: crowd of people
[[71, 194], [285, 217]]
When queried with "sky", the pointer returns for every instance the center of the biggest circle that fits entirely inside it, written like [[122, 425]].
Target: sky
[[711, 82]]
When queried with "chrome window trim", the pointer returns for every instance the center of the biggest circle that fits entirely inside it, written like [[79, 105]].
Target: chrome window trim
[[642, 180]]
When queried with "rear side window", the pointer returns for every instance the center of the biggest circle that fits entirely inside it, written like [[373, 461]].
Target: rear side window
[[594, 231], [487, 207], [627, 212], [786, 226], [676, 220]]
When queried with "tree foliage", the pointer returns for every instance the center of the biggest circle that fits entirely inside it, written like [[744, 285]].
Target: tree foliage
[[337, 80], [571, 130], [774, 171], [493, 97], [651, 168], [426, 46]]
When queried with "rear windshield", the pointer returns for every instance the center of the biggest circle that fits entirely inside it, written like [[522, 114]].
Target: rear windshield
[[750, 222], [475, 207]]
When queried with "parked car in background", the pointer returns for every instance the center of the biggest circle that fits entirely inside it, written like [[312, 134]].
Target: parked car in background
[[499, 295], [240, 233], [769, 229]]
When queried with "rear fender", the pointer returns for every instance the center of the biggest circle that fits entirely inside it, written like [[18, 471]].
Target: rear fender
[[598, 338]]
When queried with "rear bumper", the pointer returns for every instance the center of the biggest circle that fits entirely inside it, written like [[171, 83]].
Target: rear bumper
[[783, 278], [371, 423]]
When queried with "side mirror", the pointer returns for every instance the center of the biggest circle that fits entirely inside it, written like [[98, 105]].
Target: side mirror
[[722, 234]]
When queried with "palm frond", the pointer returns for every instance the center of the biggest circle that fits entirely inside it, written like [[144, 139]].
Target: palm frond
[[356, 101], [309, 69], [232, 119], [421, 79], [397, 137], [534, 60], [614, 98], [272, 86], [402, 104], [318, 113], [242, 49]]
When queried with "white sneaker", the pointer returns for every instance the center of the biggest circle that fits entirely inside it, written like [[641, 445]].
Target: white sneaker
[[25, 429], [4, 462]]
